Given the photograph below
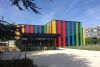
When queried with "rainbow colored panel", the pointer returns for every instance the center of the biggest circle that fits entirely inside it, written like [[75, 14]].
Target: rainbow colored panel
[[71, 33]]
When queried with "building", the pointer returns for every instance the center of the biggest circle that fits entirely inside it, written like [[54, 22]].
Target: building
[[8, 45], [92, 32], [57, 33]]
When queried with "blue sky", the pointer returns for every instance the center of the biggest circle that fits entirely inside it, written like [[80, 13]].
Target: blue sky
[[85, 11]]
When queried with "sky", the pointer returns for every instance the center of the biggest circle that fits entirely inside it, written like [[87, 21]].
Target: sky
[[85, 11]]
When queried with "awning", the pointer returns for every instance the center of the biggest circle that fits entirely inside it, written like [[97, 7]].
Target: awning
[[40, 35]]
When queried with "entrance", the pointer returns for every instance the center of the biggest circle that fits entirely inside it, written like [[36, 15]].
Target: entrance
[[39, 42]]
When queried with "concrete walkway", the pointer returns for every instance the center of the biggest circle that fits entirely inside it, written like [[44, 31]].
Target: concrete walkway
[[60, 58]]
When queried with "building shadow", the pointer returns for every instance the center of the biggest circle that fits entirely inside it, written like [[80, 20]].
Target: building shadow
[[59, 60], [54, 59]]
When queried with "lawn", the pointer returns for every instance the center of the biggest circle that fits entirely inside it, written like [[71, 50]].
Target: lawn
[[89, 47]]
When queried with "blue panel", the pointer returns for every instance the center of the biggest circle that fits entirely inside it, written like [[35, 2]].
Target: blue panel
[[35, 29], [68, 33], [39, 29], [73, 35], [42, 29]]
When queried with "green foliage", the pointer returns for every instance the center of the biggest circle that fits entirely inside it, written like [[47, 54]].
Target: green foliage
[[26, 4], [7, 31], [89, 41], [17, 63], [89, 47], [92, 41], [98, 41]]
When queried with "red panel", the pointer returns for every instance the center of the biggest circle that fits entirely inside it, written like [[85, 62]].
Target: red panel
[[59, 32], [59, 27], [31, 29], [27, 29], [64, 33]]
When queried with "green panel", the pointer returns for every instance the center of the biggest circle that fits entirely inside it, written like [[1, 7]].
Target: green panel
[[81, 35], [45, 29], [77, 40]]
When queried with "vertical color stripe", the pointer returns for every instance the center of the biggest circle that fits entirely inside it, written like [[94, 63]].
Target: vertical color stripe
[[53, 27], [77, 43], [59, 32], [23, 28], [73, 36], [27, 29], [31, 29], [84, 37], [68, 33], [45, 29], [36, 29], [50, 27], [40, 29], [17, 32], [81, 37], [64, 33]]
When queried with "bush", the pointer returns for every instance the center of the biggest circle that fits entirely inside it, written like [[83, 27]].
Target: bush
[[17, 63], [92, 41]]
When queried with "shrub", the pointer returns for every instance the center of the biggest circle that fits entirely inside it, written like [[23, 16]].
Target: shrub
[[17, 63]]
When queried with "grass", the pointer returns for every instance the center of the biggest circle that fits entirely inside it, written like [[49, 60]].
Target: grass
[[89, 47]]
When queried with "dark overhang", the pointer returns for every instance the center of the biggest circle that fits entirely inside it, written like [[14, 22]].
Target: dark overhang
[[40, 35]]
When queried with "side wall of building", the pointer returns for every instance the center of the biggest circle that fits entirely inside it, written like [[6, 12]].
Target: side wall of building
[[71, 33]]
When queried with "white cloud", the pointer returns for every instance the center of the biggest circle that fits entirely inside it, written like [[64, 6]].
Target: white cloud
[[93, 13], [91, 16], [72, 5]]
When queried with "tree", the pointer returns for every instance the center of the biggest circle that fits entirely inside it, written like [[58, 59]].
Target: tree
[[7, 30], [89, 41], [27, 4]]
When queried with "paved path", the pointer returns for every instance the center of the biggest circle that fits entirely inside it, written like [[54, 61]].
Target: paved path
[[61, 58]]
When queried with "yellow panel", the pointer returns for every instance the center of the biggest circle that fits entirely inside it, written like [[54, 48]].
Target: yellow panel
[[17, 33], [47, 28], [17, 25], [23, 29], [50, 27], [84, 37], [17, 30], [53, 27]]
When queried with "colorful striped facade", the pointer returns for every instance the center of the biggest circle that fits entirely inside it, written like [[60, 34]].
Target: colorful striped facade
[[71, 32]]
